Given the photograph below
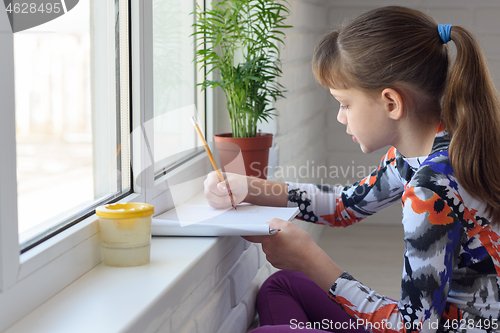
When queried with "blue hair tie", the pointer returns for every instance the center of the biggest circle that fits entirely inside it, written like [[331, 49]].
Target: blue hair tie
[[444, 32]]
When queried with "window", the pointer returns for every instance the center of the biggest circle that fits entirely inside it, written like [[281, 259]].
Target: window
[[72, 118], [176, 97], [68, 130]]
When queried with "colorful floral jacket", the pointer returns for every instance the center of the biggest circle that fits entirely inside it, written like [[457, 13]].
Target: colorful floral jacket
[[451, 271]]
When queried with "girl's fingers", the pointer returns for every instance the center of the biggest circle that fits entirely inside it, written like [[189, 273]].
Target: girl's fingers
[[216, 191], [222, 187], [213, 183], [255, 239], [273, 224], [285, 250], [278, 224], [213, 194], [217, 201]]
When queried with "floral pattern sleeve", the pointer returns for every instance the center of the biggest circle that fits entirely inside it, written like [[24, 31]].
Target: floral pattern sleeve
[[343, 206]]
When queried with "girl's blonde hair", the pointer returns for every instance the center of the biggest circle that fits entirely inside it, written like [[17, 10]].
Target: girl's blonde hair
[[400, 48]]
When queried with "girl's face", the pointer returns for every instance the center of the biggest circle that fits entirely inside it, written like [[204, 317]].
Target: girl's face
[[365, 117]]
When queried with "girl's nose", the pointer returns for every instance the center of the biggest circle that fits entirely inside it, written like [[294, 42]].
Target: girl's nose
[[341, 116]]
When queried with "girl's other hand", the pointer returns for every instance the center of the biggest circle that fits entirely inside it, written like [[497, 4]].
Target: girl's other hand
[[293, 249], [217, 194]]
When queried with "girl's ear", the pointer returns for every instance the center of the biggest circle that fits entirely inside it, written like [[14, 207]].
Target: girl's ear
[[393, 103]]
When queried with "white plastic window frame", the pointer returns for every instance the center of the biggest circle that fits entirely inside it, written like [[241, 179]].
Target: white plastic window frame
[[157, 191], [27, 280]]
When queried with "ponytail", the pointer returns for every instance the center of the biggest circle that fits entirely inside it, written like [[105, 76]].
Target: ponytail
[[471, 114]]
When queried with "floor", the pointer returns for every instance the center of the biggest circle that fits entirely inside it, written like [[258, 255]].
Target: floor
[[373, 255]]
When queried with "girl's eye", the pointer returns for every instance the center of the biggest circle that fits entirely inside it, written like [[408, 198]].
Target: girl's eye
[[344, 107]]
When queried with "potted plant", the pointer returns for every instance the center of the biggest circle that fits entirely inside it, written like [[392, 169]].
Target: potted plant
[[240, 40]]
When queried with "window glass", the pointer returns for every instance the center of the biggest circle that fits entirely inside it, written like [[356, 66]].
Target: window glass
[[175, 92], [68, 121]]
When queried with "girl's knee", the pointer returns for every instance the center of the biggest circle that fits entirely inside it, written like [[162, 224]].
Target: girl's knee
[[276, 329], [283, 277], [282, 282], [262, 329]]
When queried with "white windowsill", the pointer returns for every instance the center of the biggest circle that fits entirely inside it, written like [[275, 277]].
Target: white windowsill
[[114, 299], [119, 299]]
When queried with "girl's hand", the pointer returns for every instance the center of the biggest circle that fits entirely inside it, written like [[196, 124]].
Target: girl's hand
[[217, 194], [293, 249]]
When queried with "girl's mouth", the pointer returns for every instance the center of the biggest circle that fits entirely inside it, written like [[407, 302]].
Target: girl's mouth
[[353, 137]]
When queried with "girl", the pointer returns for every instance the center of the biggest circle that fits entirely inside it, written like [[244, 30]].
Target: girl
[[388, 68]]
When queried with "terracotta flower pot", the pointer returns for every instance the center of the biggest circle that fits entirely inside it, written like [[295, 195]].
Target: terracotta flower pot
[[245, 156]]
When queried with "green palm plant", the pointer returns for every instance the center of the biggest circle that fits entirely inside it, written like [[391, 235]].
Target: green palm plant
[[241, 40]]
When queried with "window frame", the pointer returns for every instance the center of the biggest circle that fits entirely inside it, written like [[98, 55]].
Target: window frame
[[157, 185], [105, 90], [29, 279], [9, 246]]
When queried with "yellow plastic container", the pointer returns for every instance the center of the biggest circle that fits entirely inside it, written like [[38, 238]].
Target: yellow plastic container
[[125, 233]]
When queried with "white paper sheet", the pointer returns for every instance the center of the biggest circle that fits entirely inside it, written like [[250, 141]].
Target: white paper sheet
[[203, 220]]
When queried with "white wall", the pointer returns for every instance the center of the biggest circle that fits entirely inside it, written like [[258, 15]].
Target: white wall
[[301, 123]]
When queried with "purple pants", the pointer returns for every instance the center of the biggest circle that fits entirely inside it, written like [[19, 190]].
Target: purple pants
[[291, 302]]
